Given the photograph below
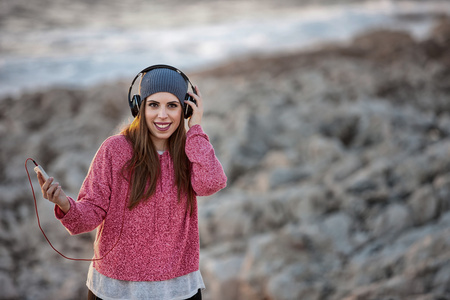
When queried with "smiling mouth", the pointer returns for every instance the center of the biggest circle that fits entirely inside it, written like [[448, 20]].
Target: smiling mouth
[[162, 126]]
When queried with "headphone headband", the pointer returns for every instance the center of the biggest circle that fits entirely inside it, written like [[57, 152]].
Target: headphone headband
[[135, 101], [148, 69]]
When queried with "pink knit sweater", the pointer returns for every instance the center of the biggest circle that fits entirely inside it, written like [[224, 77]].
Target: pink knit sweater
[[160, 240]]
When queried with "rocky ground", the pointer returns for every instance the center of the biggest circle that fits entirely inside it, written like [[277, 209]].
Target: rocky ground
[[338, 163]]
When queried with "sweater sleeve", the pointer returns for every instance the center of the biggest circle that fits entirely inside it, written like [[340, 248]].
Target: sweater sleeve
[[207, 175], [92, 203]]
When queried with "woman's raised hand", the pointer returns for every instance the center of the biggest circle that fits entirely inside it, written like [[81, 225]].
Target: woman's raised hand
[[197, 110]]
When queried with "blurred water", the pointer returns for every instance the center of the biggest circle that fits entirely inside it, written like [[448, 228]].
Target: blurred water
[[85, 57]]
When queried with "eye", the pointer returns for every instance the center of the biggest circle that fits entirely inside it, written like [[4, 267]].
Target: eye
[[153, 104], [172, 105]]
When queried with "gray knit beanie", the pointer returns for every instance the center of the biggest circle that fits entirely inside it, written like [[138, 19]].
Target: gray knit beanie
[[163, 80]]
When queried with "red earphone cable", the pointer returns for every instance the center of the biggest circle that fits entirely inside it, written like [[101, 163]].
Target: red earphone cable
[[48, 241]]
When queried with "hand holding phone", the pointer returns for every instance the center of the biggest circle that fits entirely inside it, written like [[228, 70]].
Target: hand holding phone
[[52, 191]]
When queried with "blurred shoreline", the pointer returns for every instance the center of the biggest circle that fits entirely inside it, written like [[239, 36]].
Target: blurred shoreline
[[63, 53]]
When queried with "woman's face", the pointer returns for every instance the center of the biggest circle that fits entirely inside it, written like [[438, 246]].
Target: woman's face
[[163, 116]]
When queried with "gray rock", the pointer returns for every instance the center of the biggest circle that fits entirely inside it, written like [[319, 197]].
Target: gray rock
[[338, 227], [223, 276], [282, 176], [394, 219], [293, 283], [9, 290], [424, 205], [441, 186]]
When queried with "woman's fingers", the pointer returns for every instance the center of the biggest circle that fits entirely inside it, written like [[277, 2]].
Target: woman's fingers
[[40, 178], [53, 192], [45, 186], [56, 193], [198, 97]]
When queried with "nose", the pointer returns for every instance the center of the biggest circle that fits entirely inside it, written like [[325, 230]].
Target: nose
[[162, 113]]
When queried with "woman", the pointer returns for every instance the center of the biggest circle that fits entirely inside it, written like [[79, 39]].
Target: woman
[[140, 194]]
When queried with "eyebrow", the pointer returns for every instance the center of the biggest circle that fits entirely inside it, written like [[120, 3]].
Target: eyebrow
[[171, 102]]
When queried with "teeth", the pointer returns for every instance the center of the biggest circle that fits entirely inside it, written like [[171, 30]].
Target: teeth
[[162, 126]]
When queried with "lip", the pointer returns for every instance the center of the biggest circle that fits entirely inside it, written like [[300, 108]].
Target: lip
[[158, 124]]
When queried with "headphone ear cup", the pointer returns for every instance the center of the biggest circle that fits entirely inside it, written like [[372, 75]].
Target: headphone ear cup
[[187, 108], [135, 103]]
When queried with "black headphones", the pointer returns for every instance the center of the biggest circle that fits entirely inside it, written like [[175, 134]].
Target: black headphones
[[135, 101]]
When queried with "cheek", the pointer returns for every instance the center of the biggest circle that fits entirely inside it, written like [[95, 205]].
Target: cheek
[[176, 116], [150, 113], [149, 117]]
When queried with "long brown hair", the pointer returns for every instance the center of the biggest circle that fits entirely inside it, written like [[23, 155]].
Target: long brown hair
[[144, 165]]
